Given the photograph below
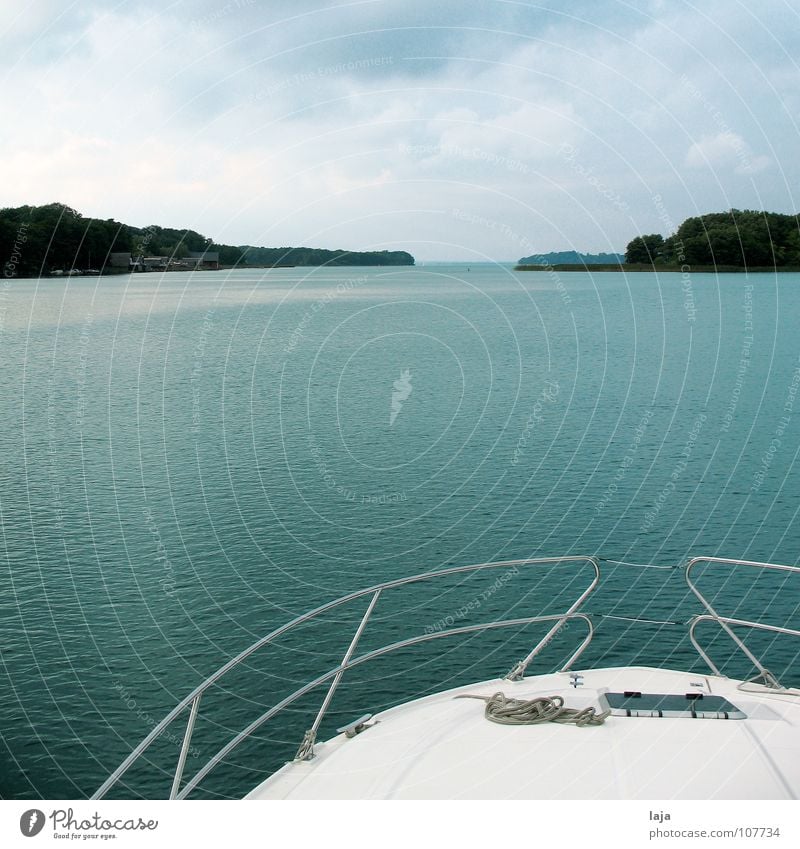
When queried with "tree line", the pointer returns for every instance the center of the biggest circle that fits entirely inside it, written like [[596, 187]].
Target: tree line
[[318, 256], [570, 258], [739, 238], [35, 240]]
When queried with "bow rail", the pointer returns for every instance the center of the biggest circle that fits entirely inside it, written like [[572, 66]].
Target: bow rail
[[726, 622], [349, 661]]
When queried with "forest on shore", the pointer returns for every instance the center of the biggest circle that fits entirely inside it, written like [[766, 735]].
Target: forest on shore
[[571, 258], [35, 240], [736, 238]]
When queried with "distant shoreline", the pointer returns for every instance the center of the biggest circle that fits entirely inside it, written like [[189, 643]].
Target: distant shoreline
[[55, 240], [654, 269]]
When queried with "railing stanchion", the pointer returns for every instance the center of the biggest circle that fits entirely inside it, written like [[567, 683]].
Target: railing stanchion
[[724, 622], [187, 737], [518, 672], [306, 750]]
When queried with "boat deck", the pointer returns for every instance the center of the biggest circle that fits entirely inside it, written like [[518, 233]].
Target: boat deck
[[442, 747]]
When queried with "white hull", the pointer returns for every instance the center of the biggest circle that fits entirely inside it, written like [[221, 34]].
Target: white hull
[[442, 747]]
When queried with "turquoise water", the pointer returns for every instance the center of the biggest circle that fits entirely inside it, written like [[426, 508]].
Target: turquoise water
[[191, 460]]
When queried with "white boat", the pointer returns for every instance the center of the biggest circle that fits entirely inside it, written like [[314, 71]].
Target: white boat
[[619, 732]]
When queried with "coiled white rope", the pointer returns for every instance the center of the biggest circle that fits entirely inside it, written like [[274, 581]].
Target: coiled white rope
[[507, 711]]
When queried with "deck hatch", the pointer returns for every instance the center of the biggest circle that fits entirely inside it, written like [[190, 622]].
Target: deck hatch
[[661, 705]]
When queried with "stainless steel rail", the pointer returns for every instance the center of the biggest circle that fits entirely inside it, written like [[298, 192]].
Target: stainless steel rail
[[192, 701], [725, 622], [243, 735]]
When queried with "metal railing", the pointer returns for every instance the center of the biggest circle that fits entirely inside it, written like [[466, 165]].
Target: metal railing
[[725, 622], [334, 676]]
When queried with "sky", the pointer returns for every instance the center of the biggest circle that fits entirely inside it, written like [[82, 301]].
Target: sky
[[481, 131]]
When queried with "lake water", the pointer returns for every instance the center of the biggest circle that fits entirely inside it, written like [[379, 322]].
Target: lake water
[[189, 460]]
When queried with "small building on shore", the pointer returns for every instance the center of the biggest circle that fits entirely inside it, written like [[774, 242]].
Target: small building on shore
[[120, 259], [204, 259], [195, 260], [153, 263]]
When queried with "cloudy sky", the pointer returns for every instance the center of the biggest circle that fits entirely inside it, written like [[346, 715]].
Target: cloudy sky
[[473, 130]]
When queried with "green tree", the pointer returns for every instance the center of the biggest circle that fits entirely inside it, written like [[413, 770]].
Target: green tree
[[740, 238], [645, 249]]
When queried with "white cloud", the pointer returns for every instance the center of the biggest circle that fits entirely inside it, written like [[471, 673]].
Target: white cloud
[[728, 151], [359, 122]]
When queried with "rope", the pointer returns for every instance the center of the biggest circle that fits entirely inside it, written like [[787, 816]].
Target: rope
[[637, 565], [306, 750], [536, 711], [639, 619]]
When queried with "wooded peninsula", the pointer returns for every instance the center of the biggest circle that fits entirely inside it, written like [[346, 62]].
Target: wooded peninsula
[[736, 240], [41, 240]]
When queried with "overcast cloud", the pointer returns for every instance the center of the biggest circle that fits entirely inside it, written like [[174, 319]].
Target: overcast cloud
[[488, 129]]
